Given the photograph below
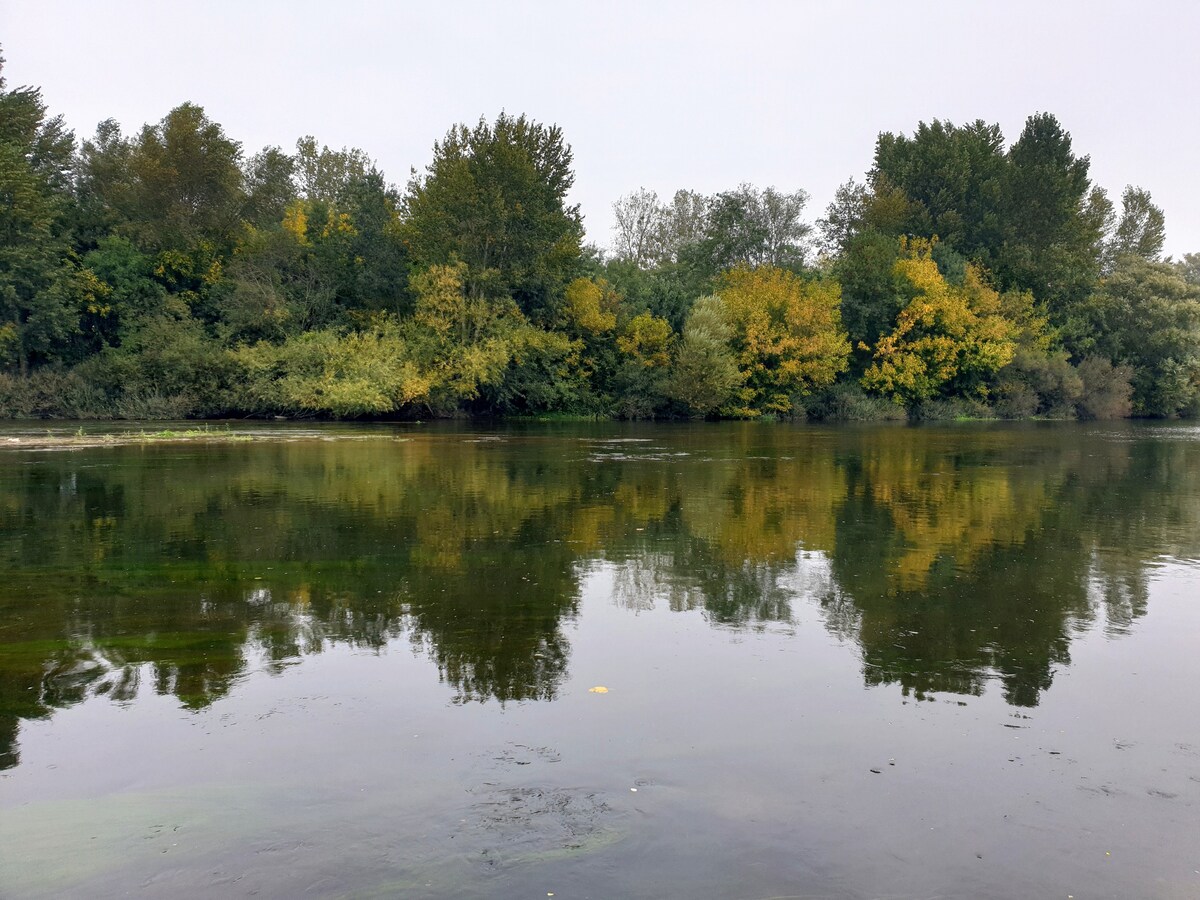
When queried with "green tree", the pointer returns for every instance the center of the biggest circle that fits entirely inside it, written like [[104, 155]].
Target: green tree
[[1051, 238], [844, 218], [462, 342], [871, 294], [1189, 268], [588, 318], [132, 294], [377, 275], [751, 227], [861, 230], [325, 174], [319, 263], [683, 223], [644, 344], [638, 228], [664, 290], [954, 177], [704, 375], [178, 193], [494, 199], [1040, 380], [274, 286], [1146, 316], [270, 184], [103, 184], [42, 292], [1141, 230], [186, 188]]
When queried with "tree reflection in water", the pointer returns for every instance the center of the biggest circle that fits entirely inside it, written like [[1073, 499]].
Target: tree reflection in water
[[951, 556]]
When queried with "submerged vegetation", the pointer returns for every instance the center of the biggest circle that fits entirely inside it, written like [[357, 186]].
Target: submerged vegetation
[[81, 438], [167, 274]]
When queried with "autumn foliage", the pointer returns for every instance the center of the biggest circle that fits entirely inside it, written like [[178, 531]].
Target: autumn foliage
[[948, 337], [787, 335], [166, 273]]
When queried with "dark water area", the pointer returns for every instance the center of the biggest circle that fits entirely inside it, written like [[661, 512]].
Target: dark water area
[[359, 662]]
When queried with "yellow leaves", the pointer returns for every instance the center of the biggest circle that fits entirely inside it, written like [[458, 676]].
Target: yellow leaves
[[1032, 326], [941, 511], [462, 341], [394, 227], [339, 224], [174, 266], [295, 222], [363, 372], [8, 337], [298, 216], [787, 332], [441, 303], [761, 516], [946, 334], [213, 273], [647, 339], [95, 293], [588, 306], [598, 689]]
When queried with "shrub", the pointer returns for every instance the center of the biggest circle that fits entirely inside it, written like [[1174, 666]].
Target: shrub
[[847, 402], [52, 394], [1107, 389], [951, 409]]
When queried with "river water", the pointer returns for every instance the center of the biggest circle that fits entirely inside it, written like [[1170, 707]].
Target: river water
[[600, 661]]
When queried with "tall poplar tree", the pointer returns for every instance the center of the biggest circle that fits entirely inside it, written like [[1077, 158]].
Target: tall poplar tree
[[495, 198]]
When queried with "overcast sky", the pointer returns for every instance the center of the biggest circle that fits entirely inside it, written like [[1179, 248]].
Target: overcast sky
[[660, 95]]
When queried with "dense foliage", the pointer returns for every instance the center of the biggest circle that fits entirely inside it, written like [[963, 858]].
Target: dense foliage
[[167, 273]]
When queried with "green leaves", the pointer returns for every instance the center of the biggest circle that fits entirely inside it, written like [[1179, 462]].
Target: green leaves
[[165, 261], [1146, 315], [494, 198], [704, 376], [41, 290]]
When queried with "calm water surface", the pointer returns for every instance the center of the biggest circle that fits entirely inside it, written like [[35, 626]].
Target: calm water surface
[[859, 662]]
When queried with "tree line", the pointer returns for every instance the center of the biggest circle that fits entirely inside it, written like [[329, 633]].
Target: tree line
[[168, 273]]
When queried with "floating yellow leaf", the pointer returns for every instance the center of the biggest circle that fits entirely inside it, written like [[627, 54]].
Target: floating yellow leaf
[[598, 689]]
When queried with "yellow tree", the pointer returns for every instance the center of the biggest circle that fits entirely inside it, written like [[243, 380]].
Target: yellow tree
[[462, 342], [589, 307], [787, 335], [948, 338], [647, 340], [588, 316], [643, 353]]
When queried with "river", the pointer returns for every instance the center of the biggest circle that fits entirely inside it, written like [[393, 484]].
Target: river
[[604, 660]]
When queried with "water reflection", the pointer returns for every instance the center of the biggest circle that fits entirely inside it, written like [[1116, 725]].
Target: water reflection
[[949, 557]]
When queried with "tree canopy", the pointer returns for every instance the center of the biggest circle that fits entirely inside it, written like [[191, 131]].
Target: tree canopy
[[172, 272], [494, 198]]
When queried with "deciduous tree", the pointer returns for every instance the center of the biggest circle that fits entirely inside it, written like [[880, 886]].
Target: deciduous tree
[[42, 293], [494, 198], [947, 339], [787, 335]]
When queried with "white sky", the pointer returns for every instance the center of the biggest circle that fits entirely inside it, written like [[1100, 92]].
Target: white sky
[[664, 95]]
